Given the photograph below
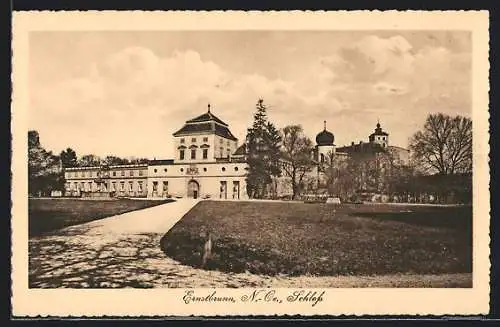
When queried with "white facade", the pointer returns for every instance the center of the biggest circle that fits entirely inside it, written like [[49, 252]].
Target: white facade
[[224, 180], [325, 152]]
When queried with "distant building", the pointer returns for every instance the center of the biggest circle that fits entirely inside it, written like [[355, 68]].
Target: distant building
[[208, 163], [378, 143]]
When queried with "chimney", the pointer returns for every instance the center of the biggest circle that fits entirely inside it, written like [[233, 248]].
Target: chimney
[[352, 143]]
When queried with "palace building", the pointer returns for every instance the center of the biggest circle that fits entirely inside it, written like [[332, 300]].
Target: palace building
[[208, 163]]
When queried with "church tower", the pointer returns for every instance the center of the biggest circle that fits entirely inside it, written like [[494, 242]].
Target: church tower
[[379, 136], [324, 144]]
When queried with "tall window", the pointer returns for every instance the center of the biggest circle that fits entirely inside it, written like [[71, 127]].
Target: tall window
[[221, 152], [165, 186], [181, 154], [155, 186], [131, 186], [228, 152], [322, 157], [193, 153], [236, 190], [140, 172], [122, 186], [123, 172], [139, 188], [223, 190], [205, 153], [131, 173], [113, 186]]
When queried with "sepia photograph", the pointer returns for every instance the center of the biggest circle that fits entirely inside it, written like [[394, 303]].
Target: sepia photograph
[[202, 159]]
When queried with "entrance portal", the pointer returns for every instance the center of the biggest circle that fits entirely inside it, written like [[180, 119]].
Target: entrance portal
[[193, 189]]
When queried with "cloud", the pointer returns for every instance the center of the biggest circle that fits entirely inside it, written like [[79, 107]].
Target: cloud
[[130, 102]]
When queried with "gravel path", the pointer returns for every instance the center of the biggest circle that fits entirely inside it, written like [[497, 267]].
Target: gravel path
[[124, 251]]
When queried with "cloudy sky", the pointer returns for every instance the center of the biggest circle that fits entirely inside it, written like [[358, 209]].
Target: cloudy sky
[[125, 93]]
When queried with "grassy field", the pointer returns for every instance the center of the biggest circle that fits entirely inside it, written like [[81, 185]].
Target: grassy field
[[46, 215], [312, 239]]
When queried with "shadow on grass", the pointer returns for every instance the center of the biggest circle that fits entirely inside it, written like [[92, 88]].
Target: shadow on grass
[[457, 218], [48, 215], [311, 239], [79, 267]]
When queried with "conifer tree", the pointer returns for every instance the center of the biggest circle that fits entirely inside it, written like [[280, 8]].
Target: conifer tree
[[263, 152]]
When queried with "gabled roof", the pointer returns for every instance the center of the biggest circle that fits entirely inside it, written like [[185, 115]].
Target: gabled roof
[[241, 150]]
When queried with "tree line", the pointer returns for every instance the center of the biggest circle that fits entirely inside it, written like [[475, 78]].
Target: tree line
[[440, 165], [45, 169], [439, 170]]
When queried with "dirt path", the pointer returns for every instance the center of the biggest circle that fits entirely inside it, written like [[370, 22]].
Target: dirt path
[[124, 251]]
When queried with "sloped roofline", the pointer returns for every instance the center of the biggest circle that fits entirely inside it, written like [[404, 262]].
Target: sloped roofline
[[208, 116]]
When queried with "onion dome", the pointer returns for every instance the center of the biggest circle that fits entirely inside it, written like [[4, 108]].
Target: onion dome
[[325, 137]]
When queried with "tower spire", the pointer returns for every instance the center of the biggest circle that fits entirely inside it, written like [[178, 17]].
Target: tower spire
[[324, 124], [209, 108]]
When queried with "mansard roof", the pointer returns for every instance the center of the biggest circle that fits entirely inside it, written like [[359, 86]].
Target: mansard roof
[[206, 123], [206, 117], [201, 128], [362, 147], [159, 162]]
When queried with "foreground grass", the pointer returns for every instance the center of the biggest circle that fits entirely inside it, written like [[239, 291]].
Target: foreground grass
[[46, 215], [311, 239]]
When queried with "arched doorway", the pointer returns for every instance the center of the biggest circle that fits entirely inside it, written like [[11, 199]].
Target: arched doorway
[[193, 189]]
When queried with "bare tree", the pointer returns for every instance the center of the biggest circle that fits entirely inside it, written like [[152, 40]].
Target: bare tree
[[89, 160], [296, 154], [444, 146]]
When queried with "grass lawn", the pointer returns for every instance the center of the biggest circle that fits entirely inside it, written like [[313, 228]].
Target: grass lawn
[[311, 239], [46, 215]]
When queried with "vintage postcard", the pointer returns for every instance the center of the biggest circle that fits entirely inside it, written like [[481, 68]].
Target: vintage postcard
[[250, 163]]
